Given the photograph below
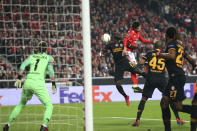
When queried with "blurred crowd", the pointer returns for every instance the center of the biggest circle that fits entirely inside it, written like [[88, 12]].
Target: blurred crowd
[[24, 23]]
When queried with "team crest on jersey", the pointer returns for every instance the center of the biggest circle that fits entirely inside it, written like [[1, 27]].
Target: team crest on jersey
[[116, 45]]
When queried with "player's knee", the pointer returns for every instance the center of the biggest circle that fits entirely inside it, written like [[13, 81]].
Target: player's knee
[[164, 102], [144, 98], [178, 106], [118, 83]]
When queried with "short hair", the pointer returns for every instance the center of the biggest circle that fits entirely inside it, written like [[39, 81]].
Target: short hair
[[171, 33], [42, 45], [158, 44], [116, 36], [135, 25]]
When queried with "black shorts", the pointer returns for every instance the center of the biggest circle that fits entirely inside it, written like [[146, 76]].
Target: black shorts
[[175, 88], [151, 83], [121, 68]]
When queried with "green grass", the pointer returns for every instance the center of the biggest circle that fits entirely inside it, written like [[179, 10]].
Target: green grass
[[114, 116]]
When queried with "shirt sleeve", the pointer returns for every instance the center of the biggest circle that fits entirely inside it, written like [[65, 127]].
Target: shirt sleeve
[[50, 67], [144, 40], [145, 57], [126, 38], [25, 64]]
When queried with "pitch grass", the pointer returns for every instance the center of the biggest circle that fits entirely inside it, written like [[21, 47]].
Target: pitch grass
[[113, 116]]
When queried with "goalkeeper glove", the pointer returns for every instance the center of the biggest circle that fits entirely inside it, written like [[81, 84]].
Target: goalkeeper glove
[[54, 89], [18, 82]]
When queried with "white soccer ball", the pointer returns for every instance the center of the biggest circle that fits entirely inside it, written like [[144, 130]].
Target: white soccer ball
[[106, 37]]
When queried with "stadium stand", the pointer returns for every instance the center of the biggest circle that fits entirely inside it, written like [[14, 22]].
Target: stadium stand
[[23, 23]]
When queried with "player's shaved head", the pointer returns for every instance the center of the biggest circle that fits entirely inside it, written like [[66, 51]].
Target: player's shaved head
[[158, 45], [42, 46]]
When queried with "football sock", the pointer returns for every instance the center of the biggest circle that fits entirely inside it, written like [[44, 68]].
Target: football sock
[[175, 111], [134, 78], [140, 109], [121, 91], [166, 118]]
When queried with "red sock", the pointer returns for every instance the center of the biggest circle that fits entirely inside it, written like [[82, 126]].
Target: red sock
[[134, 79]]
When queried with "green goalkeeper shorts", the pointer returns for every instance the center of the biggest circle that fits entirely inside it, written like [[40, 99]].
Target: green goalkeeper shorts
[[38, 88]]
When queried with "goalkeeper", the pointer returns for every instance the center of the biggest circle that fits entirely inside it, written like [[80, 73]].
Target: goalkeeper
[[35, 84]]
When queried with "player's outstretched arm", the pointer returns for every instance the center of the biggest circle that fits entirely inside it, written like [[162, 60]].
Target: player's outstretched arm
[[170, 55], [52, 76]]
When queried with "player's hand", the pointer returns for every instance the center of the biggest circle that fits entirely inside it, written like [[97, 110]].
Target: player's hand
[[18, 82], [124, 52], [54, 89]]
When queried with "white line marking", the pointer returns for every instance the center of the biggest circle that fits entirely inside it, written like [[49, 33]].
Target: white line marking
[[147, 119]]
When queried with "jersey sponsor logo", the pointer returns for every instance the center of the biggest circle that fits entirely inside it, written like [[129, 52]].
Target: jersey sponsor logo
[[116, 50]]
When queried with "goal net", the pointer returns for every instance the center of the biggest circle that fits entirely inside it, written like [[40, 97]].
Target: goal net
[[23, 23]]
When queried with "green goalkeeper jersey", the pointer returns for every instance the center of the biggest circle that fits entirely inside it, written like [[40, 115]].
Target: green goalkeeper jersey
[[39, 64]]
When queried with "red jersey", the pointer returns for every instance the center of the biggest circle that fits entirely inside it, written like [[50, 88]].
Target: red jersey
[[132, 38]]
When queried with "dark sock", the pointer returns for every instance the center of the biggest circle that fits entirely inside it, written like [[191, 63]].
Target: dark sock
[[166, 118], [193, 126], [121, 91], [187, 109], [194, 118], [140, 109], [175, 111]]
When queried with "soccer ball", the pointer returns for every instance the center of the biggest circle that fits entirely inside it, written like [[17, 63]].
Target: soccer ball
[[106, 37]]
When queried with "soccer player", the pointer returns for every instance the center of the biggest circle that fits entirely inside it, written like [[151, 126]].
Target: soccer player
[[131, 38], [154, 79], [122, 64], [35, 84], [174, 91]]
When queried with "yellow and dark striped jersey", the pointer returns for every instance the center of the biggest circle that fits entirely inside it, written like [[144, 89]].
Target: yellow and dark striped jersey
[[175, 66], [156, 65], [116, 49]]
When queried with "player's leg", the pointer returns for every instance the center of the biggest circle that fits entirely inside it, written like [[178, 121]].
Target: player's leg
[[166, 113], [25, 96], [147, 93], [44, 97], [194, 114], [119, 71], [140, 110], [178, 96], [121, 91], [134, 77], [179, 121]]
